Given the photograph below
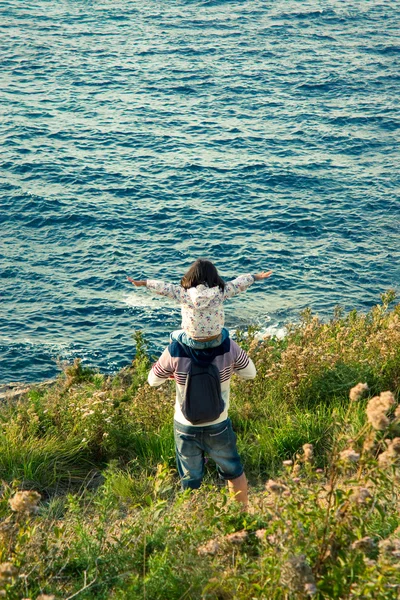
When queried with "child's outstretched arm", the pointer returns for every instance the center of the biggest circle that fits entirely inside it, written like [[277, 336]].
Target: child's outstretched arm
[[137, 282], [241, 283], [159, 287], [262, 275]]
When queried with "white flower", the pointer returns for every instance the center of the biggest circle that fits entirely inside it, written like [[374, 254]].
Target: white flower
[[357, 391], [349, 455], [211, 547], [275, 487], [238, 537]]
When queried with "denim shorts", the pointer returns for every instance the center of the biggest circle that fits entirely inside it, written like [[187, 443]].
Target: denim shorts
[[217, 441]]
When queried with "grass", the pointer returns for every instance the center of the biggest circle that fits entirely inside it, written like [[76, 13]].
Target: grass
[[112, 522]]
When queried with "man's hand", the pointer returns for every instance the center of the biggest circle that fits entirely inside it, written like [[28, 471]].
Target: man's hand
[[137, 282], [262, 275]]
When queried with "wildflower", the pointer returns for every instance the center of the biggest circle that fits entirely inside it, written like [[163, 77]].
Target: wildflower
[[238, 537], [385, 459], [88, 413], [369, 442], [310, 589], [376, 411], [7, 528], [395, 445], [296, 574], [272, 539], [308, 455], [308, 452], [397, 413], [387, 400], [390, 548], [211, 547], [349, 455], [296, 469], [370, 563], [7, 572], [361, 495], [287, 463], [46, 597], [25, 502], [378, 420], [260, 534], [358, 391], [364, 545], [319, 470], [275, 487]]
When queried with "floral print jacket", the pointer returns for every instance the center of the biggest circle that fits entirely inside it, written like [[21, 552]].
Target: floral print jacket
[[202, 307]]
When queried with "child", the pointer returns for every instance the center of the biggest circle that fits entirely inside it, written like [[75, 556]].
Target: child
[[201, 294]]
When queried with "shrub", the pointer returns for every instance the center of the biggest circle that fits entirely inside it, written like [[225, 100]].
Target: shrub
[[323, 519]]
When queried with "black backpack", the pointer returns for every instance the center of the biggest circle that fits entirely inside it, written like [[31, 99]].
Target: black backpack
[[202, 398]]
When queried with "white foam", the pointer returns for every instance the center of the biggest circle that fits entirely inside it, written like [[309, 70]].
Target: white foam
[[140, 301], [35, 342], [275, 331], [272, 331], [45, 343]]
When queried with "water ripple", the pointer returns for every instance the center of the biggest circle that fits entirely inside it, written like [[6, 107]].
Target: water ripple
[[137, 136]]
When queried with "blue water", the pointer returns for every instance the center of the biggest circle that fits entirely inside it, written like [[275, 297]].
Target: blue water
[[137, 136]]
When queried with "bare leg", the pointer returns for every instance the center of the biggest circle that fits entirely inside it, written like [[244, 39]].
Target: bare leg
[[238, 488]]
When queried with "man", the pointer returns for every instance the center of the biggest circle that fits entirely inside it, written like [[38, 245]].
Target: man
[[215, 438]]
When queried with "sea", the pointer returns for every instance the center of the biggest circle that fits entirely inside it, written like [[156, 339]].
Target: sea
[[137, 136]]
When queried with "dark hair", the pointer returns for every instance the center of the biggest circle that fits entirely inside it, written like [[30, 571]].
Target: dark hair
[[202, 271]]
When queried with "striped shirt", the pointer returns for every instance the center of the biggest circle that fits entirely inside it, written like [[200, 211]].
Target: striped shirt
[[175, 362]]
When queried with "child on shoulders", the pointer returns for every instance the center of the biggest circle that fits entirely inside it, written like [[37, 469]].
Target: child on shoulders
[[201, 294]]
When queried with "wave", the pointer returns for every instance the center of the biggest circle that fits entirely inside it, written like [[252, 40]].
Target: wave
[[256, 134], [136, 300]]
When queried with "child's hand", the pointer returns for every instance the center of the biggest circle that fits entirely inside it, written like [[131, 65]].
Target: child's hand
[[262, 275], [137, 282]]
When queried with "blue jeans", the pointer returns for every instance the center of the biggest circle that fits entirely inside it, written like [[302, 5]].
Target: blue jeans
[[218, 441], [180, 336]]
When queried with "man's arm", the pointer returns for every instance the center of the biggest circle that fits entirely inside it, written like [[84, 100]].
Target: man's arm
[[243, 365], [162, 370]]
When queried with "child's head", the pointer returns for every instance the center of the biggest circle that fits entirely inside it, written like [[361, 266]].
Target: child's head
[[202, 272]]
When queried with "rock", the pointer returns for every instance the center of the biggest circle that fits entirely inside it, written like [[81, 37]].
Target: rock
[[16, 390]]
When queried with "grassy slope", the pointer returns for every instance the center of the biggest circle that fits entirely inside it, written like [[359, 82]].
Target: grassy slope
[[100, 451]]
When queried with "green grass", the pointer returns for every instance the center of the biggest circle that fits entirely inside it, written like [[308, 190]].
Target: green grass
[[113, 523]]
